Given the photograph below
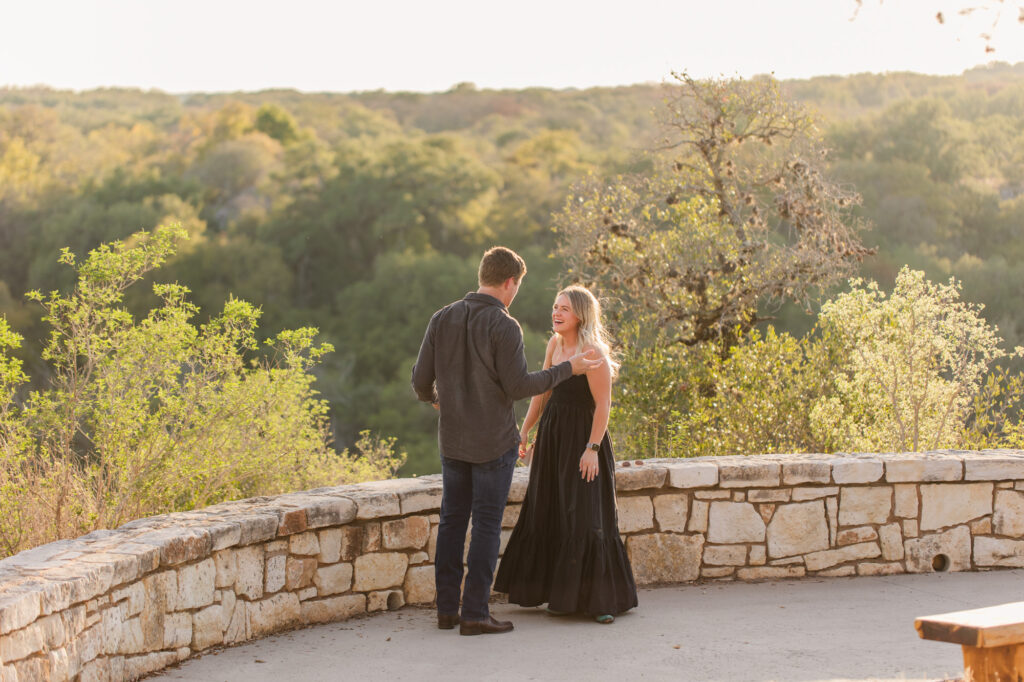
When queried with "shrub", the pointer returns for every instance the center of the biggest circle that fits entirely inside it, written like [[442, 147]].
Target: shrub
[[159, 414]]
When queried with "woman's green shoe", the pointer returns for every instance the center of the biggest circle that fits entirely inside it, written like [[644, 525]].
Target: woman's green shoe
[[605, 619]]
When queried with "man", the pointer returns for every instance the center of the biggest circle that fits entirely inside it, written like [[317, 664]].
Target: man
[[472, 367]]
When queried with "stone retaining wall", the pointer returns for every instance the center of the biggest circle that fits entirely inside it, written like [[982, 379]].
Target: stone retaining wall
[[116, 605]]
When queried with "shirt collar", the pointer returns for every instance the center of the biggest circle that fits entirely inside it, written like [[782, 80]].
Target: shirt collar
[[484, 298]]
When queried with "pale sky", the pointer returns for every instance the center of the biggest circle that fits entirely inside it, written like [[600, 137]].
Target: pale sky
[[430, 45]]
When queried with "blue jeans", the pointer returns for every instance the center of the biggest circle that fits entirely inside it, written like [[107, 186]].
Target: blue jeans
[[480, 490]]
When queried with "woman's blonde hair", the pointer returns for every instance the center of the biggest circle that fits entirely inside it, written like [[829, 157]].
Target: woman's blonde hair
[[591, 331]]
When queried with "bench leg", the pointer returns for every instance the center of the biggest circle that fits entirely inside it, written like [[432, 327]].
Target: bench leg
[[994, 664]]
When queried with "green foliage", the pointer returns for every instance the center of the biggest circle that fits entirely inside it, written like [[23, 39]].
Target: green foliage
[[913, 362], [158, 414]]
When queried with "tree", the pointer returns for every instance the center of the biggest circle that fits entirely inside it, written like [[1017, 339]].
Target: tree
[[745, 216], [911, 366]]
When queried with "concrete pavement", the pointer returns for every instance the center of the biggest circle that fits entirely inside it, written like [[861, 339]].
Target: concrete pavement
[[807, 629]]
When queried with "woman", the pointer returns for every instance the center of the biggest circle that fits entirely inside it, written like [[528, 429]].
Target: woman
[[565, 550]]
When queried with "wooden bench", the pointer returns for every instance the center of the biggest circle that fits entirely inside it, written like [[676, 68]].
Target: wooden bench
[[992, 639]]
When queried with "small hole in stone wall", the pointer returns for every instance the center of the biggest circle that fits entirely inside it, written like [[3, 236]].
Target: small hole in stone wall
[[395, 601], [940, 562]]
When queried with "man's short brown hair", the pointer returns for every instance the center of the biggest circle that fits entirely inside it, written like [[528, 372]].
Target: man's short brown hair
[[498, 264]]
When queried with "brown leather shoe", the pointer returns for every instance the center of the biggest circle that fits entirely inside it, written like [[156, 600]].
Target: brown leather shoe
[[485, 627], [447, 621]]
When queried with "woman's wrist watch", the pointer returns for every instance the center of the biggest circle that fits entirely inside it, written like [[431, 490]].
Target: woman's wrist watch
[[593, 446]]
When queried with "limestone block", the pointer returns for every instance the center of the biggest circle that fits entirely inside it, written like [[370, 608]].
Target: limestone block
[[830, 557], [913, 469], [307, 593], [517, 491], [139, 666], [332, 608], [993, 468], [739, 496], [352, 542], [725, 555], [717, 572], [274, 613], [699, 517], [177, 630], [854, 470], [635, 513], [275, 573], [891, 541], [249, 583], [371, 537], [131, 639], [228, 603], [323, 510], [74, 618], [276, 547], [998, 552], [757, 555], [795, 473], [425, 499], [954, 543], [1018, 485], [797, 528], [982, 526], [418, 558], [379, 571], [299, 572], [692, 475], [419, 585], [1004, 484], [910, 529], [22, 643], [771, 572], [664, 557], [805, 494], [196, 585], [870, 568], [769, 495], [223, 535], [905, 496], [256, 528], [374, 505], [671, 511], [407, 533], [207, 627], [125, 567], [767, 511], [750, 473], [640, 477], [333, 579], [734, 522], [384, 600], [432, 543], [864, 505], [18, 608], [179, 545], [712, 495], [510, 516], [1008, 518], [235, 631], [839, 572], [330, 545], [852, 536], [304, 544], [226, 564], [950, 504]]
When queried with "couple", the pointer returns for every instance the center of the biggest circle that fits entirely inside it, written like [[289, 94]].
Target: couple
[[565, 550]]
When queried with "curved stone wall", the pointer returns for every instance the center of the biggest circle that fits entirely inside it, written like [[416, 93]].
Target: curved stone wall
[[115, 605]]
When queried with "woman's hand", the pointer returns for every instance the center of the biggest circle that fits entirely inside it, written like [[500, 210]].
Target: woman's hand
[[588, 465]]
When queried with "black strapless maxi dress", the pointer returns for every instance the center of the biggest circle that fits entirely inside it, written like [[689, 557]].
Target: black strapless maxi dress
[[565, 550]]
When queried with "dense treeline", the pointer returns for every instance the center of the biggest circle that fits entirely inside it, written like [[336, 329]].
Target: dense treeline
[[362, 213]]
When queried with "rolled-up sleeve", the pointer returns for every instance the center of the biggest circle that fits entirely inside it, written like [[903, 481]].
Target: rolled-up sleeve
[[423, 372], [513, 374]]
